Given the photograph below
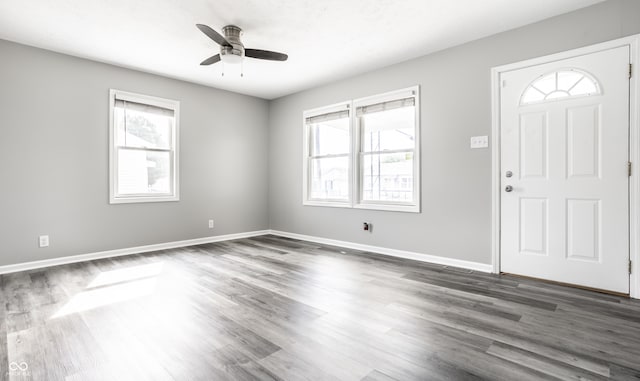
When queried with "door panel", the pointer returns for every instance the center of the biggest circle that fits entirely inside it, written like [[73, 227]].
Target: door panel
[[533, 145], [583, 141], [583, 229], [566, 141], [533, 226]]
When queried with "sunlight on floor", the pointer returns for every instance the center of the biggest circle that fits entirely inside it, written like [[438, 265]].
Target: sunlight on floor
[[331, 277], [127, 274], [113, 287]]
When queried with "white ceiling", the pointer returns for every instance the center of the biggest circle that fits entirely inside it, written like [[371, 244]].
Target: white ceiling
[[325, 39]]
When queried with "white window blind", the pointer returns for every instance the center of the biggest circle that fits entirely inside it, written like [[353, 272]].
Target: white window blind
[[140, 107], [385, 106], [327, 117]]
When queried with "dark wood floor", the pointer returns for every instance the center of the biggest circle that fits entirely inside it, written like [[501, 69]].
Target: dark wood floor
[[271, 308]]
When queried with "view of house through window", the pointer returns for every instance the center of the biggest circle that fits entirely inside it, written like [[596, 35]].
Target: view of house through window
[[387, 150], [329, 155], [143, 156], [367, 160]]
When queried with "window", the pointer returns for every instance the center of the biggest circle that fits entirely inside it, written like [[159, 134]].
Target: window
[[387, 149], [560, 84], [364, 153], [328, 154], [143, 148]]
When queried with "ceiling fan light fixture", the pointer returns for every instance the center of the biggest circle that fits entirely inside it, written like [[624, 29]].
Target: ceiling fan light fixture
[[231, 59]]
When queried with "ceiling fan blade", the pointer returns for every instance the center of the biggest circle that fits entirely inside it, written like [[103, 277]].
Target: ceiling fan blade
[[211, 60], [212, 34], [265, 55]]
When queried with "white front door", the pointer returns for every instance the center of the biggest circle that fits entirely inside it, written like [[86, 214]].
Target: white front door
[[564, 171]]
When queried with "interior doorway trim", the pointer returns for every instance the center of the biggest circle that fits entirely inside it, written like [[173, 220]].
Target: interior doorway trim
[[633, 42]]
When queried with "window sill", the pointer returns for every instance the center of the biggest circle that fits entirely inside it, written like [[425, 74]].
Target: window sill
[[389, 207], [331, 204], [368, 206], [137, 200]]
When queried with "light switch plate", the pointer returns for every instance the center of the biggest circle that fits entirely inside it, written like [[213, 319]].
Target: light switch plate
[[479, 141]]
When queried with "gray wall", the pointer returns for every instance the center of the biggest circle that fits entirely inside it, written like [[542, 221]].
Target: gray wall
[[54, 149], [455, 105], [54, 159]]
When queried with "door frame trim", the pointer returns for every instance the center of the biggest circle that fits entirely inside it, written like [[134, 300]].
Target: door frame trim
[[633, 42]]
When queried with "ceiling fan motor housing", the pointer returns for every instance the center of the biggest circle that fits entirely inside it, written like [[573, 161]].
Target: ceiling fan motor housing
[[234, 53], [232, 50]]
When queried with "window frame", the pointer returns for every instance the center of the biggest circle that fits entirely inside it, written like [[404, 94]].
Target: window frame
[[307, 158], [174, 195], [359, 153], [356, 162], [586, 75]]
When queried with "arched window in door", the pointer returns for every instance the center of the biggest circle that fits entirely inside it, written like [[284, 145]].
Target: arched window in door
[[565, 83]]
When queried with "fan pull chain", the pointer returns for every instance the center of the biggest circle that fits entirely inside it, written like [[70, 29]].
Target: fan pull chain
[[223, 68], [242, 68]]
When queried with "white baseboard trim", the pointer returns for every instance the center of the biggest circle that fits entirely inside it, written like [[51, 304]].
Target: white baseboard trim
[[126, 251], [199, 241], [482, 267]]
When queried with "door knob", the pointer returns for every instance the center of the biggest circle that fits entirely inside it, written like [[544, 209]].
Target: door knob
[[508, 188]]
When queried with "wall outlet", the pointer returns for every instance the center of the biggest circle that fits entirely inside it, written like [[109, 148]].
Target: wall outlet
[[479, 142], [43, 241], [211, 225]]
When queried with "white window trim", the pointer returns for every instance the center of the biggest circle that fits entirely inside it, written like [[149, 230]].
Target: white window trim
[[355, 190], [583, 72], [174, 105], [306, 141], [413, 207]]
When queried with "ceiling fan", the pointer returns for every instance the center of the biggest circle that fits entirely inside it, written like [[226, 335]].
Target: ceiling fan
[[231, 49]]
